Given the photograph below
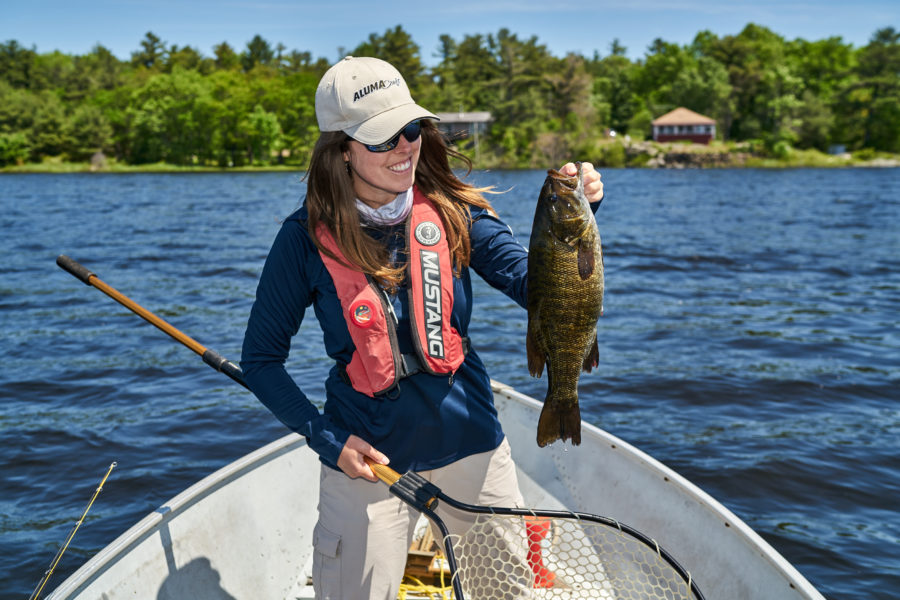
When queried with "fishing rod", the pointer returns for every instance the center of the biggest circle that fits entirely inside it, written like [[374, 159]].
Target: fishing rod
[[37, 591], [210, 357]]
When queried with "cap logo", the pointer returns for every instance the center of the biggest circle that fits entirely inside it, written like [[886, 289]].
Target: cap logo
[[427, 233], [374, 87]]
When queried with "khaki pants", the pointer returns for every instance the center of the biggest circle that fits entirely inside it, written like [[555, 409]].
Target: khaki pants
[[364, 531]]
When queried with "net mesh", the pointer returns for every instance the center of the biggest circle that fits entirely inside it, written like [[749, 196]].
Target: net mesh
[[505, 557]]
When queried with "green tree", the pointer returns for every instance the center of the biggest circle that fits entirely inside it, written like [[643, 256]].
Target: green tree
[[614, 90], [524, 93], [815, 123], [704, 88], [90, 131], [152, 53], [17, 108], [172, 118], [16, 64], [258, 52], [13, 148], [879, 73], [663, 63], [398, 48], [187, 57], [97, 70], [263, 135], [755, 60], [467, 74], [226, 57], [53, 71], [824, 66], [49, 135], [296, 61], [570, 104]]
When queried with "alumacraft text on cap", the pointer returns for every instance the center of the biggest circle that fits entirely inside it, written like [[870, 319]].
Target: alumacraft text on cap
[[378, 85]]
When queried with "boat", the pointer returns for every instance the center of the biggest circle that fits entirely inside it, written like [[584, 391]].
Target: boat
[[246, 530]]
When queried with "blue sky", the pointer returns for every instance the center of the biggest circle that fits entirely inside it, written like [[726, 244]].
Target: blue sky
[[74, 27]]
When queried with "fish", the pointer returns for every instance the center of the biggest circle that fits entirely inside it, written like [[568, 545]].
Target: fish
[[564, 301]]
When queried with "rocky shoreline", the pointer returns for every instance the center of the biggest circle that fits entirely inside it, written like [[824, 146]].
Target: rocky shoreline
[[653, 155]]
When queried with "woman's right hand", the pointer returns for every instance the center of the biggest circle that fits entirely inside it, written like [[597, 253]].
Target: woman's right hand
[[352, 458]]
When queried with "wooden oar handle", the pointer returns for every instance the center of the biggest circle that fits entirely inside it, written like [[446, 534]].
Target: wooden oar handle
[[210, 357], [384, 472]]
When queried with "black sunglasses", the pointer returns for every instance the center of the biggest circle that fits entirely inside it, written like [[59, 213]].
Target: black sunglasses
[[411, 132]]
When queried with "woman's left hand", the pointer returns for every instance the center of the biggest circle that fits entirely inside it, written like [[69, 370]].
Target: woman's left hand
[[593, 186]]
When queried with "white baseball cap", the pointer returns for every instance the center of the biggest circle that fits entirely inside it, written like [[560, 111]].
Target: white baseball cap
[[367, 99]]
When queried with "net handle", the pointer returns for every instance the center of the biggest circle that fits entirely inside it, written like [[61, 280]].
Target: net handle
[[383, 472]]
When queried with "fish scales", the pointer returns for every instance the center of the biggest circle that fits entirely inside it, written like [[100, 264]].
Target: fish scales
[[565, 299]]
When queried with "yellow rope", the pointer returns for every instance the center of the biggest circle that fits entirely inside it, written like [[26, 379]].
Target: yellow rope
[[411, 585]]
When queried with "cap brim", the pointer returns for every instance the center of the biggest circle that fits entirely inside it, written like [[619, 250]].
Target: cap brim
[[385, 125]]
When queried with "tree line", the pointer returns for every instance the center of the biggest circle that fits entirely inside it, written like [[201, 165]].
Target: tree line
[[256, 106]]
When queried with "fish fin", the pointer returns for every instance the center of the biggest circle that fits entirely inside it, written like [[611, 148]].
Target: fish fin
[[593, 356], [532, 350], [548, 425], [557, 423], [570, 425], [585, 260]]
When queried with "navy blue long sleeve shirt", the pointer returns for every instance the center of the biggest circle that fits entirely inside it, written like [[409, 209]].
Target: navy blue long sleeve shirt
[[434, 420]]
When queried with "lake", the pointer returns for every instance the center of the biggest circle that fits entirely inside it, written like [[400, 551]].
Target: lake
[[750, 342]]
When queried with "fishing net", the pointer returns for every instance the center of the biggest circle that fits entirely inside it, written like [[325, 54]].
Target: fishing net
[[506, 557]]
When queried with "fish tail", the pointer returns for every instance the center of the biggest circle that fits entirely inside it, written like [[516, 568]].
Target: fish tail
[[559, 422]]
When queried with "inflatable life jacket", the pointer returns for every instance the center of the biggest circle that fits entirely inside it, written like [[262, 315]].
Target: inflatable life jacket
[[377, 364]]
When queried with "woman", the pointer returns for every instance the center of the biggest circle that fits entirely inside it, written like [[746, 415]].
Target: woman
[[382, 249]]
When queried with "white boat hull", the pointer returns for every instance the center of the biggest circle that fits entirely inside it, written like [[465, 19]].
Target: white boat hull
[[245, 532]]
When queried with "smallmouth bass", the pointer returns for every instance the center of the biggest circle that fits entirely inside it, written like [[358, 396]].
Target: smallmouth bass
[[565, 300]]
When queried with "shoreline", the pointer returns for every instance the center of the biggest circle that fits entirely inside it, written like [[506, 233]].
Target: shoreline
[[606, 154]]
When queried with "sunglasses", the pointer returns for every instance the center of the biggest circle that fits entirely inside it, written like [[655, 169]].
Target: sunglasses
[[411, 132]]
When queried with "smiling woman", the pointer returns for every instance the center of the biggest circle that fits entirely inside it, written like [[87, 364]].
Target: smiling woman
[[381, 174], [382, 248]]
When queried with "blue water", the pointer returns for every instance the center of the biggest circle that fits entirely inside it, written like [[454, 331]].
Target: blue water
[[750, 342]]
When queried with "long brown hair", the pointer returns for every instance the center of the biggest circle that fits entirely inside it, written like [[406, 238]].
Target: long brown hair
[[330, 200]]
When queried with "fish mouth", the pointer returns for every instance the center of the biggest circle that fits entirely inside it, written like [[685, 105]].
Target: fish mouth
[[570, 188], [564, 180]]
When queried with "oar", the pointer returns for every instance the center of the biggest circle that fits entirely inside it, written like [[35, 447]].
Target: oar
[[210, 357]]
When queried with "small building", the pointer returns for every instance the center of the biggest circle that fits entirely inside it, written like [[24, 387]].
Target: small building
[[682, 124], [459, 126]]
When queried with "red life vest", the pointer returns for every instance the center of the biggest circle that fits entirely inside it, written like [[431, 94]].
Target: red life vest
[[377, 364]]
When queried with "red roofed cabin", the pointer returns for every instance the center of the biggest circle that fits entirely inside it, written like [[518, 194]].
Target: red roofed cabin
[[682, 124]]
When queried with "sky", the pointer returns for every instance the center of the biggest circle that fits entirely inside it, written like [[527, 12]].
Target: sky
[[324, 27]]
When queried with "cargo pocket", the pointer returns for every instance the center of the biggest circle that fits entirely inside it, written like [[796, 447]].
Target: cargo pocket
[[326, 564]]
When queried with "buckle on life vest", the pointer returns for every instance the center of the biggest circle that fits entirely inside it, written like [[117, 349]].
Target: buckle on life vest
[[410, 364]]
